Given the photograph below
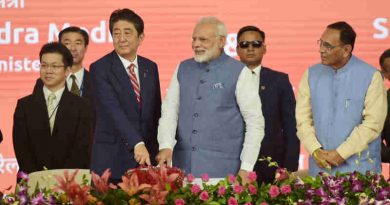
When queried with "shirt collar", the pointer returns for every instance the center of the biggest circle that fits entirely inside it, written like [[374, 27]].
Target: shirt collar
[[126, 62], [257, 70], [58, 93], [79, 75]]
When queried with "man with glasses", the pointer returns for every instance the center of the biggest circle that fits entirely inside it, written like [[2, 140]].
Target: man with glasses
[[341, 107], [78, 81], [278, 105], [211, 117], [52, 126]]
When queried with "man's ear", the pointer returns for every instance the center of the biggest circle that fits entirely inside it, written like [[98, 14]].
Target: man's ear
[[222, 41], [141, 38], [347, 50]]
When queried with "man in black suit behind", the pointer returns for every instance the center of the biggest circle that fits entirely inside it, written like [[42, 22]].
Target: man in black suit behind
[[278, 105], [384, 62], [52, 126], [128, 101], [76, 40]]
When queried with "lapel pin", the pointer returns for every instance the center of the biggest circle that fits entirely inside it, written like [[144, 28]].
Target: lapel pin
[[262, 87]]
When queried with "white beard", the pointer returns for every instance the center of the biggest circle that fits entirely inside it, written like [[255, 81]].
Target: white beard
[[207, 56]]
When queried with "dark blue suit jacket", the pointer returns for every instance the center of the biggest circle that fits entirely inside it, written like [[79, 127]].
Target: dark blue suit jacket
[[120, 124], [280, 141]]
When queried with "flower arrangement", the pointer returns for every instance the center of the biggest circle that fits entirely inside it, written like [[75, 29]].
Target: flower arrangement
[[162, 185]]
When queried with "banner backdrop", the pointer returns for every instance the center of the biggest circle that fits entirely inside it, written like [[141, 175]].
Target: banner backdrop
[[292, 29]]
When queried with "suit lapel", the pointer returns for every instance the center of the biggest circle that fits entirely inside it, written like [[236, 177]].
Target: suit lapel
[[62, 106], [123, 79], [41, 109], [143, 79], [264, 83], [85, 87]]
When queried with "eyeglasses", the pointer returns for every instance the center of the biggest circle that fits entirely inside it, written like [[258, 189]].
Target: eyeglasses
[[327, 45], [255, 44], [53, 67]]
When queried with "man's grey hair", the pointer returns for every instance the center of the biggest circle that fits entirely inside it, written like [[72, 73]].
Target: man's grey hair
[[221, 28]]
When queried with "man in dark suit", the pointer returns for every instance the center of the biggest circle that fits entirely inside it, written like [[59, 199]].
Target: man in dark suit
[[52, 126], [384, 62], [127, 99], [76, 40], [278, 105]]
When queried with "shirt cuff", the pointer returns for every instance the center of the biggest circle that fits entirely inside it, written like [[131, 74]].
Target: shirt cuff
[[344, 151], [139, 143], [166, 146], [247, 166]]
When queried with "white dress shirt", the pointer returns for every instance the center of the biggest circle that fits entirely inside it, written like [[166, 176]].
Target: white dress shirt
[[248, 100], [126, 64], [79, 79], [58, 94]]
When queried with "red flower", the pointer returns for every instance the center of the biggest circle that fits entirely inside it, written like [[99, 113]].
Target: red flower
[[252, 176], [205, 177], [252, 189], [221, 191], [285, 189], [237, 189], [231, 178], [131, 185], [274, 191], [101, 183], [195, 189], [204, 196], [77, 194], [179, 202], [281, 174], [190, 178], [232, 201]]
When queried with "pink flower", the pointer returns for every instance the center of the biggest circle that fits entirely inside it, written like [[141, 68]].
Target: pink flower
[[204, 196], [274, 191], [252, 189], [221, 191], [101, 183], [195, 189], [237, 189], [285, 189], [248, 203], [190, 178], [252, 176], [179, 202], [264, 203], [232, 201], [205, 177], [281, 174], [231, 178]]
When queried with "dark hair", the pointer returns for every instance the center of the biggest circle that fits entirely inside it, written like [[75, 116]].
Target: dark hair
[[347, 34], [384, 55], [55, 47], [129, 16], [250, 28], [75, 29]]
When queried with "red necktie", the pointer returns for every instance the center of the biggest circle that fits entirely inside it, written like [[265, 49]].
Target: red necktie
[[134, 82]]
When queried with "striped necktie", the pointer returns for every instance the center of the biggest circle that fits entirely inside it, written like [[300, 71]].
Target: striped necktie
[[134, 82], [50, 110]]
